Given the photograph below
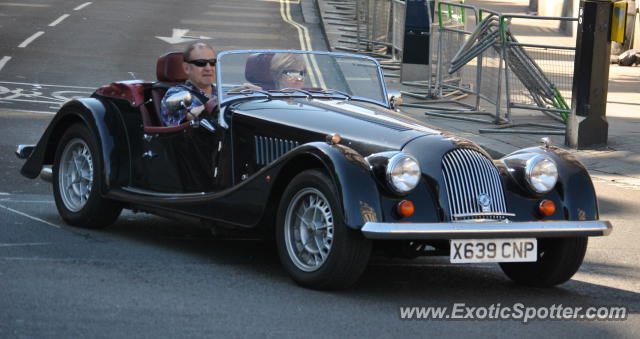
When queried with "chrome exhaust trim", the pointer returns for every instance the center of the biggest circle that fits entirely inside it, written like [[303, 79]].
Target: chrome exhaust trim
[[46, 174]]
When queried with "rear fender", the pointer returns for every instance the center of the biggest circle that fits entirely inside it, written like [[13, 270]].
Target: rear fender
[[101, 122]]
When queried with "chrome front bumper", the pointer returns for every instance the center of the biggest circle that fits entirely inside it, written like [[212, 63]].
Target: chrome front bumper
[[482, 229]]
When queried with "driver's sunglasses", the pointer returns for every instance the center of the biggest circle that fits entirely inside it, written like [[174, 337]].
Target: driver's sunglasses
[[294, 74], [202, 62]]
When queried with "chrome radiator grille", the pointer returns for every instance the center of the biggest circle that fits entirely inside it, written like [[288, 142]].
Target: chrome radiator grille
[[473, 186], [270, 149]]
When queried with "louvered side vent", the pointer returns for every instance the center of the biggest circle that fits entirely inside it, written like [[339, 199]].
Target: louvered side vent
[[473, 186], [270, 149]]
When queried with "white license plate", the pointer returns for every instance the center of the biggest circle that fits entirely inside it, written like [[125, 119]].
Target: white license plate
[[493, 250]]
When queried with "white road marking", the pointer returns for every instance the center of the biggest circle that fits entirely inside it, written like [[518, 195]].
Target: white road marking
[[6, 110], [305, 43], [4, 61], [29, 216], [25, 244], [58, 20], [74, 260], [40, 85], [38, 94], [178, 35], [29, 201], [82, 6], [28, 100], [4, 193], [15, 4], [30, 39]]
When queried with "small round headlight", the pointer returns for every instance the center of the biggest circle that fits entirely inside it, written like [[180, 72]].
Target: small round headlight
[[403, 173], [541, 173]]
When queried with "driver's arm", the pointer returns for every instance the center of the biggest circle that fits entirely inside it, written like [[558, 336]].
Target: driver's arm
[[194, 112], [172, 118]]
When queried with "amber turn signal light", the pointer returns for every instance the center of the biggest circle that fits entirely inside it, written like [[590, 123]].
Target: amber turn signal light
[[405, 208], [547, 207], [333, 139]]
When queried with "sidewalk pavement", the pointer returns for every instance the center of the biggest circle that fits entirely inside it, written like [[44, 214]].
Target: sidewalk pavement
[[617, 162]]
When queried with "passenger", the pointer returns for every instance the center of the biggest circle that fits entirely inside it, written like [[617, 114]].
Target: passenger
[[288, 70], [199, 64]]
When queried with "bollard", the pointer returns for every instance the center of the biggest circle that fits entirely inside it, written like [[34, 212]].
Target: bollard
[[587, 125], [417, 37]]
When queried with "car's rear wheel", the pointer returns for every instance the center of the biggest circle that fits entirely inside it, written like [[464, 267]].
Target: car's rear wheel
[[77, 177], [315, 246], [558, 260]]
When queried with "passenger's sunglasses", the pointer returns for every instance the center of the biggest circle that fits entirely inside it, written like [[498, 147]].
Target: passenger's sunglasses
[[202, 62], [293, 74]]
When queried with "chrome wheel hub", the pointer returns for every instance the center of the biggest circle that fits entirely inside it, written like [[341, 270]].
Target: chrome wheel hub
[[75, 174], [308, 229]]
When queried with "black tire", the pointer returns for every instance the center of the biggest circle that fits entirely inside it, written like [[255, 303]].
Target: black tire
[[558, 260], [348, 252], [81, 203]]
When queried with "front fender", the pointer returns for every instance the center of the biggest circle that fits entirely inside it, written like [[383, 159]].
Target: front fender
[[356, 188], [100, 121], [574, 186]]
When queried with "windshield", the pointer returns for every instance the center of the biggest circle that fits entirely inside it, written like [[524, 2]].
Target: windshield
[[242, 73]]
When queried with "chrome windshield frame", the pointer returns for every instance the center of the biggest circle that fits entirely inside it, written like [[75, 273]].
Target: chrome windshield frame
[[219, 87]]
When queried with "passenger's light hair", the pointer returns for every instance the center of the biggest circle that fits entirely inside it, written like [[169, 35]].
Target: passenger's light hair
[[282, 61]]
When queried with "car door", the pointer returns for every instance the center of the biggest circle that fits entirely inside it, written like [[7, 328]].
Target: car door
[[178, 159]]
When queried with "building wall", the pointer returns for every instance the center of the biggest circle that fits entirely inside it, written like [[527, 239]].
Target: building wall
[[569, 8], [566, 8]]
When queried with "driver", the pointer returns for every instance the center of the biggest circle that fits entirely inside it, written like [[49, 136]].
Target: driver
[[199, 64]]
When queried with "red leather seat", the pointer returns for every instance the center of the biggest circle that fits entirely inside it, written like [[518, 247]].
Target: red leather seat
[[257, 72], [169, 73], [169, 69]]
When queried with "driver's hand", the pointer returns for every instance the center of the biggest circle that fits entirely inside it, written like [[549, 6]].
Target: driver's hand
[[195, 112], [248, 85]]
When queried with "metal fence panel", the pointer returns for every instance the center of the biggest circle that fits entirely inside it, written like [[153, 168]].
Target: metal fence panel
[[554, 63], [397, 28], [456, 22]]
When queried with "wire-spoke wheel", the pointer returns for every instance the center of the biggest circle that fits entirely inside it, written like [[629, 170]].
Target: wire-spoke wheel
[[309, 229], [315, 246], [77, 175]]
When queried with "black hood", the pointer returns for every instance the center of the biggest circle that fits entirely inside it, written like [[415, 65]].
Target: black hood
[[359, 123]]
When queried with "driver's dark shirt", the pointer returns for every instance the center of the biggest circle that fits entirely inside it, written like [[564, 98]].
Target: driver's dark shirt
[[176, 117]]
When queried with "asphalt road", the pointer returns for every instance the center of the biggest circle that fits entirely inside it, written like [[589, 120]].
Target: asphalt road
[[150, 277]]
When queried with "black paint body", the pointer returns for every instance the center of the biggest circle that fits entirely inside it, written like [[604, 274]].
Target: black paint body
[[235, 176]]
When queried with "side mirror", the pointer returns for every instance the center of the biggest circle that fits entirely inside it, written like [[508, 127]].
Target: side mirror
[[178, 101], [395, 99]]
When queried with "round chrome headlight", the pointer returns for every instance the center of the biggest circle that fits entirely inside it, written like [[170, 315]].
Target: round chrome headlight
[[403, 173], [541, 173]]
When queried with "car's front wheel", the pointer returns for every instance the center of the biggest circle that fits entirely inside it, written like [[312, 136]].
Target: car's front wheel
[[77, 176], [315, 246], [558, 260]]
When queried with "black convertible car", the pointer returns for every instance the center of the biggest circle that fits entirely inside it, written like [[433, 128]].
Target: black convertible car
[[331, 168]]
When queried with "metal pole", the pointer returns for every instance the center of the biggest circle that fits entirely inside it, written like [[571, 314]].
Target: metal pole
[[501, 63], [507, 90], [479, 64], [587, 125]]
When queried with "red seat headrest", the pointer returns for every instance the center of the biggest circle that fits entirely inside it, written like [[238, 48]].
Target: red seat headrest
[[169, 68], [257, 72]]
